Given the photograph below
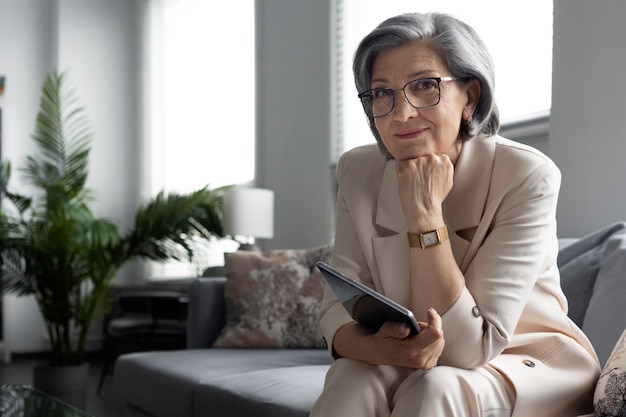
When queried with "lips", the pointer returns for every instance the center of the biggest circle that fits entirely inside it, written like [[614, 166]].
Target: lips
[[408, 134]]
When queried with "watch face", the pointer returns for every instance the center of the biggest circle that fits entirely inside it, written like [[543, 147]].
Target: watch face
[[430, 238]]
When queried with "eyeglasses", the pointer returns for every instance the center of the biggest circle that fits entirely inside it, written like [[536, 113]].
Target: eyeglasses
[[422, 93]]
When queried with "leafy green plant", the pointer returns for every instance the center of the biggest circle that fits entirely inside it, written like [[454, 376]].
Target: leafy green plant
[[53, 247]]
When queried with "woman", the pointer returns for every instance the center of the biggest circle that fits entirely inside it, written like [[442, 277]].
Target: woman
[[458, 224]]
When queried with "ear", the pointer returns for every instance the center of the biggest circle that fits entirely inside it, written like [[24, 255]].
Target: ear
[[473, 94]]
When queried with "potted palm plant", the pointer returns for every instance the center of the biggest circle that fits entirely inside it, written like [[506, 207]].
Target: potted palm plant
[[53, 247]]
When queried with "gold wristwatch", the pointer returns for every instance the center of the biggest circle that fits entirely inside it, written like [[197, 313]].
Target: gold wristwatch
[[428, 239]]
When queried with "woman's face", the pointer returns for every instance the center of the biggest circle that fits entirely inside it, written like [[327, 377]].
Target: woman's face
[[408, 132]]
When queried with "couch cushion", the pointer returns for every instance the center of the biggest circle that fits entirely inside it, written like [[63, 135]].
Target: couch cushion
[[609, 398], [272, 299], [278, 392], [163, 383]]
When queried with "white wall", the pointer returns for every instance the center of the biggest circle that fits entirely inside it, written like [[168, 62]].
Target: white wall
[[23, 23], [96, 42], [588, 129], [294, 125]]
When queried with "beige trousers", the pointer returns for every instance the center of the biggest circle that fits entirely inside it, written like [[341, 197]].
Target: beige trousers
[[357, 389]]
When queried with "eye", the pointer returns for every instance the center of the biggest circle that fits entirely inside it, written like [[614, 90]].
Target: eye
[[425, 85], [382, 92]]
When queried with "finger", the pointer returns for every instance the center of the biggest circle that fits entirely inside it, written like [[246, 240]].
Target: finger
[[434, 319], [394, 329]]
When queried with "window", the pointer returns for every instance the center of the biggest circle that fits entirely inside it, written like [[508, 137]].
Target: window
[[518, 35], [199, 99]]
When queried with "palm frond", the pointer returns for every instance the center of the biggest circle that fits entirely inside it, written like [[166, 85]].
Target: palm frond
[[63, 137], [13, 266], [164, 225], [20, 202]]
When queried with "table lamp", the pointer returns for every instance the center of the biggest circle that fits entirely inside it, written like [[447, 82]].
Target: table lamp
[[249, 215]]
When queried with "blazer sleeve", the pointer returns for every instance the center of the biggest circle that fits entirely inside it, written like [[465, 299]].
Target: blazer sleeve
[[348, 249]]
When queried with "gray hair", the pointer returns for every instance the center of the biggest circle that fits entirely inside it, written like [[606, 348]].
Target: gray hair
[[466, 55]]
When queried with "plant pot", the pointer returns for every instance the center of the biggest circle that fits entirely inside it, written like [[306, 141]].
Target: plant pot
[[67, 383]]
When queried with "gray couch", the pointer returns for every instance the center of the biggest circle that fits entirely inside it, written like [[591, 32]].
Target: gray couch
[[203, 381]]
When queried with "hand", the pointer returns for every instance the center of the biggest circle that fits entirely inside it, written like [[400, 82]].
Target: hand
[[394, 346], [424, 183]]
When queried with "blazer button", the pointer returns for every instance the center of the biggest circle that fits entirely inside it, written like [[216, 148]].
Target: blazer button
[[528, 363], [476, 311]]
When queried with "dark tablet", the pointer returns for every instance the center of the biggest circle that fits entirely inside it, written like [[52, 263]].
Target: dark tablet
[[365, 305]]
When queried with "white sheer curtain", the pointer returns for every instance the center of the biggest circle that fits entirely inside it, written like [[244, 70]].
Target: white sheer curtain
[[199, 104], [518, 35]]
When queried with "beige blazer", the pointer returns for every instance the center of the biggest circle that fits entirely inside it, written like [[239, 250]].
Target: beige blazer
[[501, 217]]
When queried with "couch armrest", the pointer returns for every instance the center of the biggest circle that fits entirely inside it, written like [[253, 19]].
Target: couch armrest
[[207, 312]]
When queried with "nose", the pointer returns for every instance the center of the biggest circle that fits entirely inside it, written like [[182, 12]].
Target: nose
[[403, 110]]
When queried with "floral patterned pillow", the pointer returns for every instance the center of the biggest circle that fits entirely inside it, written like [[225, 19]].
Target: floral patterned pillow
[[272, 299], [609, 399]]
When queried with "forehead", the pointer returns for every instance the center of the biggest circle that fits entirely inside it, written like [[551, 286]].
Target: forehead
[[409, 60]]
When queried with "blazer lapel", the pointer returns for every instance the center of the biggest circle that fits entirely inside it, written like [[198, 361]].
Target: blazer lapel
[[465, 204], [390, 247], [464, 207]]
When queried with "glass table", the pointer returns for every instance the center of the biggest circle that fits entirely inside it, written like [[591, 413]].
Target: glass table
[[25, 401]]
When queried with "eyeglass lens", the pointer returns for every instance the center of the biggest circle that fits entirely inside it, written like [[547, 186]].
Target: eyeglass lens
[[419, 93]]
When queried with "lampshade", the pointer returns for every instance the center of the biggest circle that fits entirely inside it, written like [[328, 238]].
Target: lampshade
[[249, 212]]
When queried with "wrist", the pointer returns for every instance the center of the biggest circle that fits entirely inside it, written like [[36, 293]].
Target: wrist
[[424, 222]]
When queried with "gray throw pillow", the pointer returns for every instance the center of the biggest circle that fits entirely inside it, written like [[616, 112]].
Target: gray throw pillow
[[579, 264], [606, 315]]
